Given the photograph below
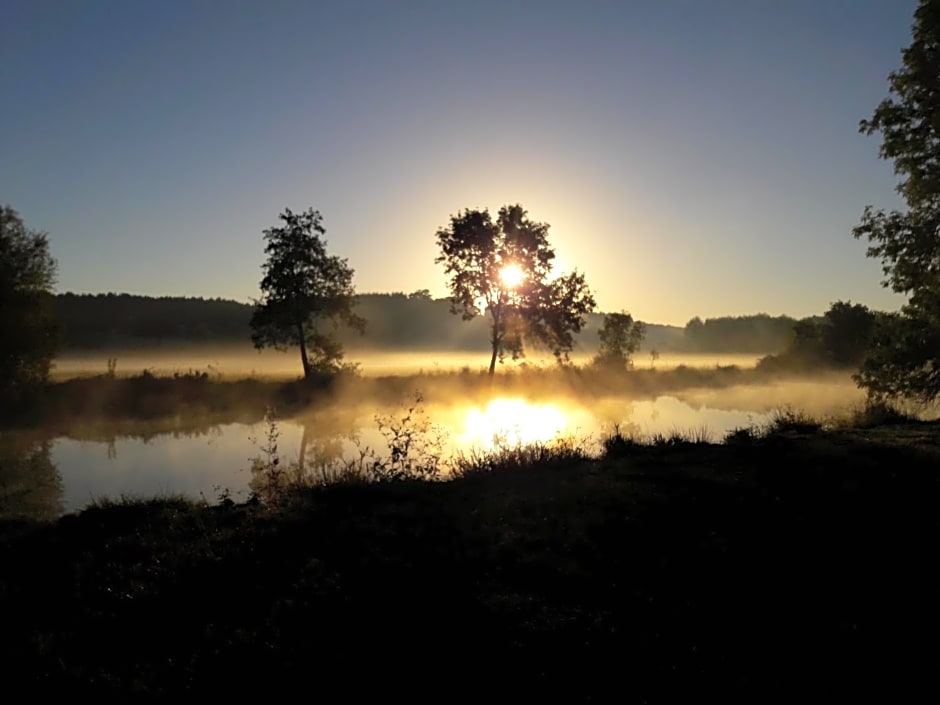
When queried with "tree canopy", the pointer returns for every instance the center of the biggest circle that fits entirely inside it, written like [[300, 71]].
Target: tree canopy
[[620, 338], [28, 332], [838, 339], [306, 294], [503, 270], [905, 355]]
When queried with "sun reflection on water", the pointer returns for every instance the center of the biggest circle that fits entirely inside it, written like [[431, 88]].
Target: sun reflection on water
[[511, 421]]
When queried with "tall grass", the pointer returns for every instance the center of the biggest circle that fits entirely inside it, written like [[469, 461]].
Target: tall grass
[[789, 420], [505, 458], [876, 412]]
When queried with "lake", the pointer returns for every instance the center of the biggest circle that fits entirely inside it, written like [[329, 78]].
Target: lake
[[45, 477]]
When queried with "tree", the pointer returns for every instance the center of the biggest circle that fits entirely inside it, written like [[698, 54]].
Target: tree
[[503, 270], [620, 339], [904, 357], [28, 331], [420, 295], [839, 338], [845, 333], [304, 290]]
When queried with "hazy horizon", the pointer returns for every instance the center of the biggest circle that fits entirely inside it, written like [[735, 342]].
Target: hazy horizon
[[444, 297]]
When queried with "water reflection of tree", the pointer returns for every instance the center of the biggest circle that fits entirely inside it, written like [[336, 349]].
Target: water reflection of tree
[[30, 484], [143, 431], [324, 441], [322, 447], [615, 415]]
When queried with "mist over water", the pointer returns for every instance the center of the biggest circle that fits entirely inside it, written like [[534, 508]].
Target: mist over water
[[534, 402], [216, 460], [233, 362]]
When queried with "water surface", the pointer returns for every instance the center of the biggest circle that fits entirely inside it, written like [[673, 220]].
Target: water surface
[[43, 476]]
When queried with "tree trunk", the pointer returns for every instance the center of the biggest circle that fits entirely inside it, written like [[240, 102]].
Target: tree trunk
[[494, 339], [303, 351]]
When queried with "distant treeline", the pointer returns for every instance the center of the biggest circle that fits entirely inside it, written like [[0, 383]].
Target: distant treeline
[[394, 321], [747, 334]]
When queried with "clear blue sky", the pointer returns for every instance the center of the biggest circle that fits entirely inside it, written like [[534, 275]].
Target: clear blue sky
[[692, 158]]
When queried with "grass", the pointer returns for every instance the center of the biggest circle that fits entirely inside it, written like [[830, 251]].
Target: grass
[[623, 444], [790, 420], [759, 570], [512, 458], [879, 413], [700, 570]]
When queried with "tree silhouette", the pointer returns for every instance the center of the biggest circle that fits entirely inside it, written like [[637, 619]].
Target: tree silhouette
[[904, 359], [845, 333], [28, 331], [839, 338], [502, 269], [303, 291], [620, 339]]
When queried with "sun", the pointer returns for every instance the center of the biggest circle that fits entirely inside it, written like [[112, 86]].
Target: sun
[[511, 275]]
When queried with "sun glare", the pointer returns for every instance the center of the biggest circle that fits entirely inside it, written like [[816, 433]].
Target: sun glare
[[511, 275], [512, 422]]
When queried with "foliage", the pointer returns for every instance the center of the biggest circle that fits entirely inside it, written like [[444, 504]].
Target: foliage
[[304, 289], [758, 333], [846, 333], [397, 320], [905, 359], [271, 475], [414, 451], [28, 331], [620, 338], [878, 412], [101, 320], [839, 339], [415, 447], [902, 360], [475, 250], [275, 477]]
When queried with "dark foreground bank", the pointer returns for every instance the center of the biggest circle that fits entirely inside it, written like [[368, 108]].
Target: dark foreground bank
[[800, 565]]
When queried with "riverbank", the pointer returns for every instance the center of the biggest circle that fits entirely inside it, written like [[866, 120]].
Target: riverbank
[[774, 565]]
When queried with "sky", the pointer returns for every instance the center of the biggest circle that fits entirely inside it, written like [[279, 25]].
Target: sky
[[692, 158]]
